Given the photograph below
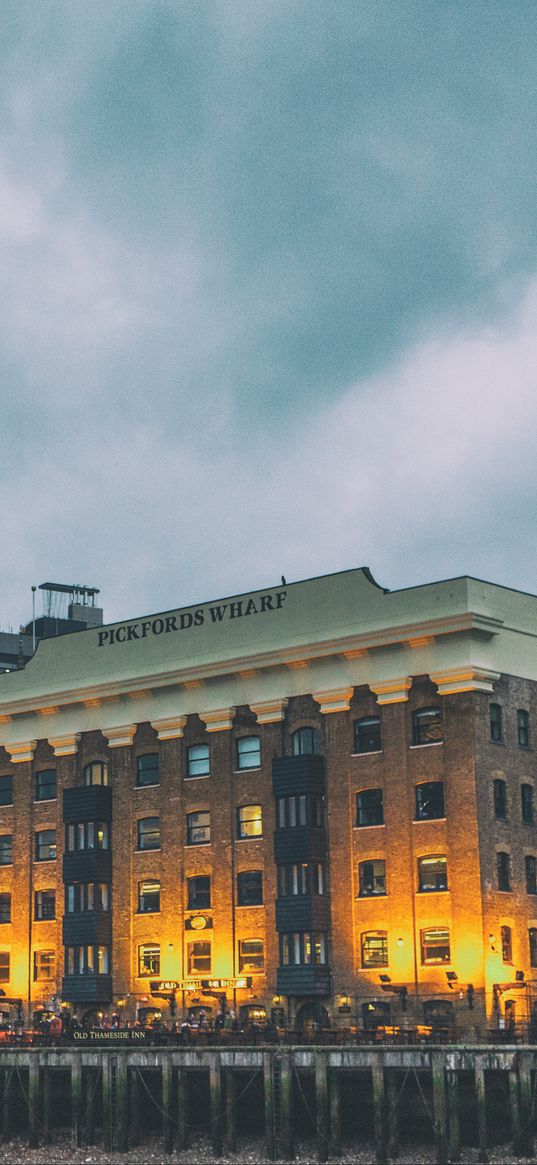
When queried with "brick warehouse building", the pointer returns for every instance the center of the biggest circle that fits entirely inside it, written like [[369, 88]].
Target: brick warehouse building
[[320, 795]]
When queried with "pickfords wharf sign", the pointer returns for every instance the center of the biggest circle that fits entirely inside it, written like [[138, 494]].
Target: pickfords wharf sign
[[185, 620]]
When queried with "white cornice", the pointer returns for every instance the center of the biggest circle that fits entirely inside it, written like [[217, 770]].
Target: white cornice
[[65, 745], [468, 623], [169, 728], [471, 679], [21, 751]]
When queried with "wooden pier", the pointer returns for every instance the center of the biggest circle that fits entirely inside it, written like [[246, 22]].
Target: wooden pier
[[107, 1088]]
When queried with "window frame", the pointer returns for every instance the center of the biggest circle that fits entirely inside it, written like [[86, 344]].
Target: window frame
[[6, 781], [526, 803], [195, 956], [421, 802], [429, 943], [256, 879], [243, 822], [243, 753], [423, 721], [6, 847], [41, 908], [530, 873], [5, 966], [141, 782], [148, 960], [143, 831], [496, 723], [367, 886], [192, 827], [194, 892], [423, 861], [499, 792], [251, 963], [374, 949], [92, 768], [359, 727], [506, 940], [5, 907], [48, 956], [303, 734], [40, 844], [39, 788], [523, 727], [191, 761], [148, 893], [503, 871], [379, 812]]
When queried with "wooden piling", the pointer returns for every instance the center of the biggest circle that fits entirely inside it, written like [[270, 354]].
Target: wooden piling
[[525, 1104], [92, 1084], [47, 1103], [268, 1090], [230, 1080], [479, 1076], [452, 1097], [107, 1101], [8, 1104], [321, 1104], [379, 1109], [215, 1089], [167, 1101], [440, 1106], [392, 1114], [182, 1127], [122, 1104], [33, 1102], [76, 1100], [288, 1127]]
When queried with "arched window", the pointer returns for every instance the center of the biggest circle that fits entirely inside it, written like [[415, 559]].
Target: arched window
[[96, 773], [306, 742]]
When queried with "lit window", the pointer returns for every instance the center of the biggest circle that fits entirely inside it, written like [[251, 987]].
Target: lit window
[[370, 807], [45, 845], [526, 796], [306, 742], [531, 874], [199, 958], [249, 821], [198, 761], [198, 828], [430, 801], [300, 878], [103, 960], [427, 726], [45, 785], [523, 728], [250, 888], [435, 946], [199, 892], [149, 833], [6, 790], [367, 734], [302, 948], [432, 873], [500, 800], [4, 966], [44, 905], [372, 878], [496, 733], [44, 964], [147, 769], [503, 870], [6, 849], [5, 907], [87, 896], [148, 897], [374, 945], [86, 835], [96, 773], [507, 944], [248, 752], [148, 959], [251, 956]]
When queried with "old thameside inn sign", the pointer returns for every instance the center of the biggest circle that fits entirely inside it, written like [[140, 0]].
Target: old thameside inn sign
[[159, 986]]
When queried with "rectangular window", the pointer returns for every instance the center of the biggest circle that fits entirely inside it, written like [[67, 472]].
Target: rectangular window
[[44, 965], [148, 897], [199, 892], [372, 878], [4, 967], [199, 958], [435, 946], [5, 907], [374, 945], [147, 769], [427, 726], [198, 761], [6, 790], [432, 873], [507, 944], [367, 735], [103, 960], [6, 849], [251, 956], [45, 845], [249, 821], [96, 773], [526, 797], [503, 868], [531, 874], [500, 800], [87, 835], [430, 801], [250, 888], [370, 807], [300, 878], [198, 828], [523, 728], [44, 905], [532, 940], [149, 959], [149, 833], [248, 752], [496, 732], [45, 785], [87, 896]]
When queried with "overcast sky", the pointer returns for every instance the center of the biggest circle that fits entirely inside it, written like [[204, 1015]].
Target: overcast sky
[[268, 294]]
